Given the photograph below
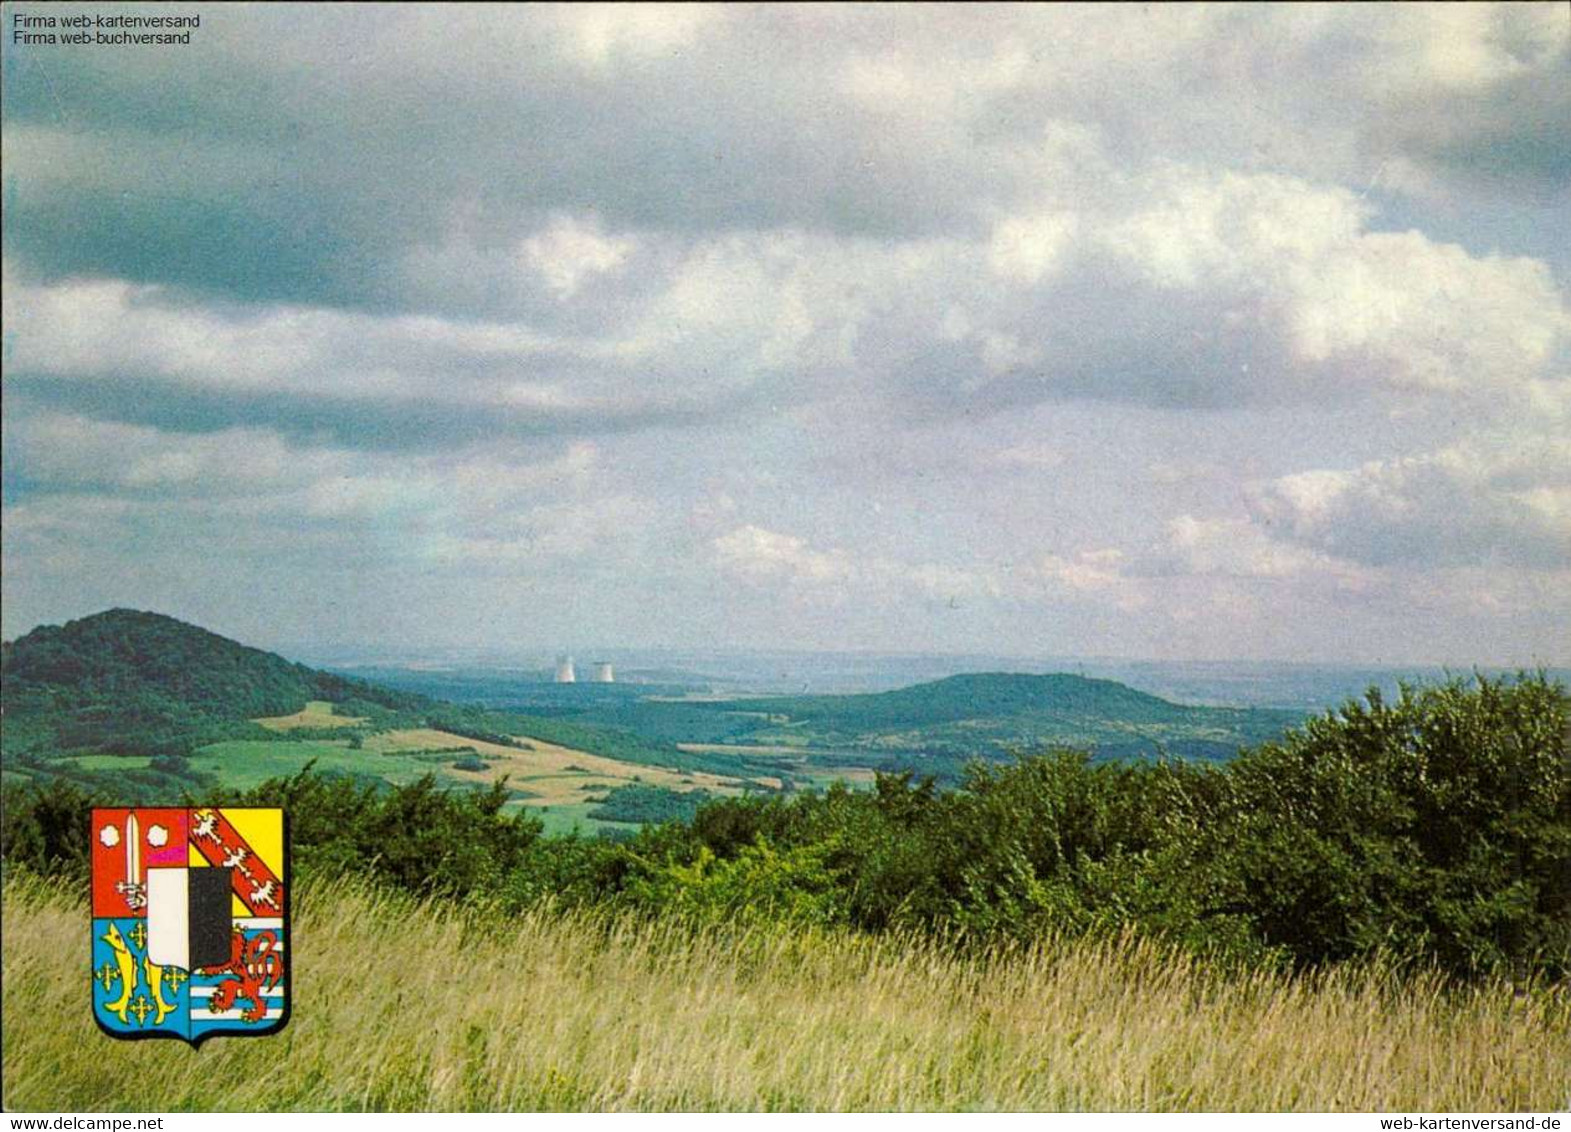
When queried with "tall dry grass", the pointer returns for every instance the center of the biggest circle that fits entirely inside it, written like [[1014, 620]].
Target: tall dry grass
[[401, 1005]]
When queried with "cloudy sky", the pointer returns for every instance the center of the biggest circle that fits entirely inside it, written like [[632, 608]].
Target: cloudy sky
[[1185, 332]]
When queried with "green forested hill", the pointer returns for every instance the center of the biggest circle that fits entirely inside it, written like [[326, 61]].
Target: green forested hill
[[992, 708], [127, 653], [124, 680], [983, 695]]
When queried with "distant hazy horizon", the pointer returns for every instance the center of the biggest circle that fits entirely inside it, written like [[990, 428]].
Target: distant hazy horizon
[[1304, 685], [1167, 332], [540, 654]]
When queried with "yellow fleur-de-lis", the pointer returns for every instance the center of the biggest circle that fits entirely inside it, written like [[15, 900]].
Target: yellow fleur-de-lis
[[141, 1008]]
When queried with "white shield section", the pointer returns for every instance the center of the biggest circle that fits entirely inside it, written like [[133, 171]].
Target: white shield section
[[168, 918]]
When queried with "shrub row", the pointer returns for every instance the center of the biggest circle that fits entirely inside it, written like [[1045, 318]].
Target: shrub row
[[1434, 829]]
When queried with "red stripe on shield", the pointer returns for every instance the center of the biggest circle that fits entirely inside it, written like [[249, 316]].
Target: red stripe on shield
[[255, 883]]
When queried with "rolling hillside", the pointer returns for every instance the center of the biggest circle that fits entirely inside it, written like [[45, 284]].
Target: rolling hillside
[[167, 707], [153, 707], [125, 655], [127, 682], [982, 695], [985, 712]]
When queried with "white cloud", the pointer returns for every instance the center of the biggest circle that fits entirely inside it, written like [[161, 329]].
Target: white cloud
[[600, 34], [582, 533], [1470, 46], [73, 452], [367, 497], [835, 575], [1027, 249], [962, 292], [572, 251], [1392, 311], [1507, 503], [1088, 570], [1182, 286], [763, 555], [1238, 548]]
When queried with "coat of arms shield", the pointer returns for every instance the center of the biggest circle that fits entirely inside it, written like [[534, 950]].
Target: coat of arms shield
[[190, 922]]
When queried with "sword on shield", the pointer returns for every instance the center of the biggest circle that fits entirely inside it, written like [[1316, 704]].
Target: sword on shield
[[132, 888]]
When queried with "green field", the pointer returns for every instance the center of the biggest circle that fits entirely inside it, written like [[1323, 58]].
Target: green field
[[558, 785], [316, 713], [242, 764], [112, 762]]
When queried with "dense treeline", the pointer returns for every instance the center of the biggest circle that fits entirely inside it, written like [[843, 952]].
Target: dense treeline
[[642, 804], [1436, 829]]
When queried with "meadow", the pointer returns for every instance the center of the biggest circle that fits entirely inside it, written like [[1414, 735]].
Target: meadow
[[559, 785], [556, 774], [316, 713], [407, 1004]]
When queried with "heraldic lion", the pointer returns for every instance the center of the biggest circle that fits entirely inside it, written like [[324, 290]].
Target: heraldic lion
[[255, 967]]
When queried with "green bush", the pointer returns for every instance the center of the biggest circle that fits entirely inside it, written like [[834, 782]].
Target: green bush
[[418, 837], [761, 884], [47, 830], [1439, 824]]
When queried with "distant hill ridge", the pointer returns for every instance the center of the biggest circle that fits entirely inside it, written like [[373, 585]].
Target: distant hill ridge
[[124, 655], [971, 696], [997, 714], [126, 681]]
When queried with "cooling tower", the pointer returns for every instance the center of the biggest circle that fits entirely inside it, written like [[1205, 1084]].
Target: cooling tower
[[603, 673], [564, 670]]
